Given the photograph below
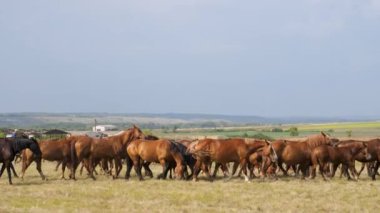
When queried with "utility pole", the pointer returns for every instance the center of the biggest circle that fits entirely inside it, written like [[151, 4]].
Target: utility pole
[[94, 130]]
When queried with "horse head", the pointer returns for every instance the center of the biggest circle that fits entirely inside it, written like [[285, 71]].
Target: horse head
[[360, 150], [136, 133], [270, 151], [327, 139], [131, 134]]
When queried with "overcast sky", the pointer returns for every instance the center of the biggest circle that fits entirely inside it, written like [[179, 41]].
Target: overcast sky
[[267, 58]]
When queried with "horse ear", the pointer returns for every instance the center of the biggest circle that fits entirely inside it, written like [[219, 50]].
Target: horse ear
[[268, 142], [285, 142]]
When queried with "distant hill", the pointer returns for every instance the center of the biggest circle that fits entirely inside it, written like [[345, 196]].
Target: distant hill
[[71, 121]]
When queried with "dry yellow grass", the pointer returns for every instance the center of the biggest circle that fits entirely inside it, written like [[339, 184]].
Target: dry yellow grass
[[106, 195]]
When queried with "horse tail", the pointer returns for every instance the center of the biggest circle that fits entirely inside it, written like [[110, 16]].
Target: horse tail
[[176, 153], [73, 153]]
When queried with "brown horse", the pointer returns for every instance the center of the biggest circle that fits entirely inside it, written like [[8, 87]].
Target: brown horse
[[52, 150], [374, 152], [299, 153], [160, 151], [222, 151], [93, 150], [254, 157], [345, 155], [272, 154]]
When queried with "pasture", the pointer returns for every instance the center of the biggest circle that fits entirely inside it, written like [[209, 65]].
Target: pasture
[[358, 130], [288, 194]]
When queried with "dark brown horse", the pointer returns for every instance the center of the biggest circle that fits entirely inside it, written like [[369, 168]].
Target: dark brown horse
[[114, 147], [160, 151], [374, 152], [52, 150], [10, 147], [345, 155]]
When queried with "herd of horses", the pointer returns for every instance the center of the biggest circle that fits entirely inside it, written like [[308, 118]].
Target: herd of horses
[[188, 158]]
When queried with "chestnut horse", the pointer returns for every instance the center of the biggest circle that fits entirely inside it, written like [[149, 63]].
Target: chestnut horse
[[294, 153], [52, 150], [345, 155], [160, 151], [272, 154], [10, 147], [92, 150], [222, 151]]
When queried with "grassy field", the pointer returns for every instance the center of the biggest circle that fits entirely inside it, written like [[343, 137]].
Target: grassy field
[[106, 195], [357, 129]]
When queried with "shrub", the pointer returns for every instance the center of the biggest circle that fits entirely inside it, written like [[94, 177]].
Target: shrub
[[349, 133], [245, 135], [261, 136], [293, 131], [276, 129]]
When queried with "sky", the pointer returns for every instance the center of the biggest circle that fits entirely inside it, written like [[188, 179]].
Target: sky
[[266, 58]]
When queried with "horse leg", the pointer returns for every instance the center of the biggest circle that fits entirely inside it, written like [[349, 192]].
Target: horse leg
[[129, 164], [136, 165], [63, 169], [303, 168], [2, 169], [119, 167], [57, 166], [374, 172], [370, 166], [361, 168], [91, 167], [314, 170], [38, 167], [196, 170], [9, 164], [284, 171], [335, 167], [224, 168], [25, 164], [165, 169], [14, 171], [234, 168], [148, 172], [243, 165], [264, 167], [217, 165], [322, 171], [353, 170], [207, 171], [251, 167]]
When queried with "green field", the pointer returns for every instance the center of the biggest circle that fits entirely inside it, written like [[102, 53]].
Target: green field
[[106, 195], [358, 130]]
